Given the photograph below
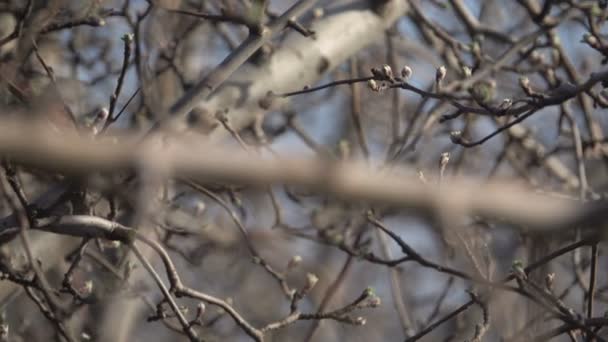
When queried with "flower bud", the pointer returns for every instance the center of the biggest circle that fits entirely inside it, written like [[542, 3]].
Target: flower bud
[[86, 289], [456, 137], [200, 310], [440, 74], [387, 72], [311, 281], [406, 72], [524, 82], [445, 158], [549, 280], [99, 121], [318, 12], [127, 38], [294, 262], [360, 321], [373, 85]]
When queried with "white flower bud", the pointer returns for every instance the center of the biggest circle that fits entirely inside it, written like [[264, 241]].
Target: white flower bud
[[549, 280], [318, 12], [373, 85], [387, 72], [456, 136], [360, 321], [440, 74], [294, 262], [406, 72], [311, 281], [445, 158], [99, 121], [200, 310], [86, 289]]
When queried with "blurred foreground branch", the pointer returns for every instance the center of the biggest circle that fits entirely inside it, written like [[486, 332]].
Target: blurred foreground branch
[[352, 181]]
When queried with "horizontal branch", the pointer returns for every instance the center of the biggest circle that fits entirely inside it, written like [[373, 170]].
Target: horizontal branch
[[351, 181]]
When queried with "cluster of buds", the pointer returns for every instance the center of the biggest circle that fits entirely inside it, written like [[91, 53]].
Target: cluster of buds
[[386, 74], [368, 299], [456, 137], [360, 321], [383, 74]]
